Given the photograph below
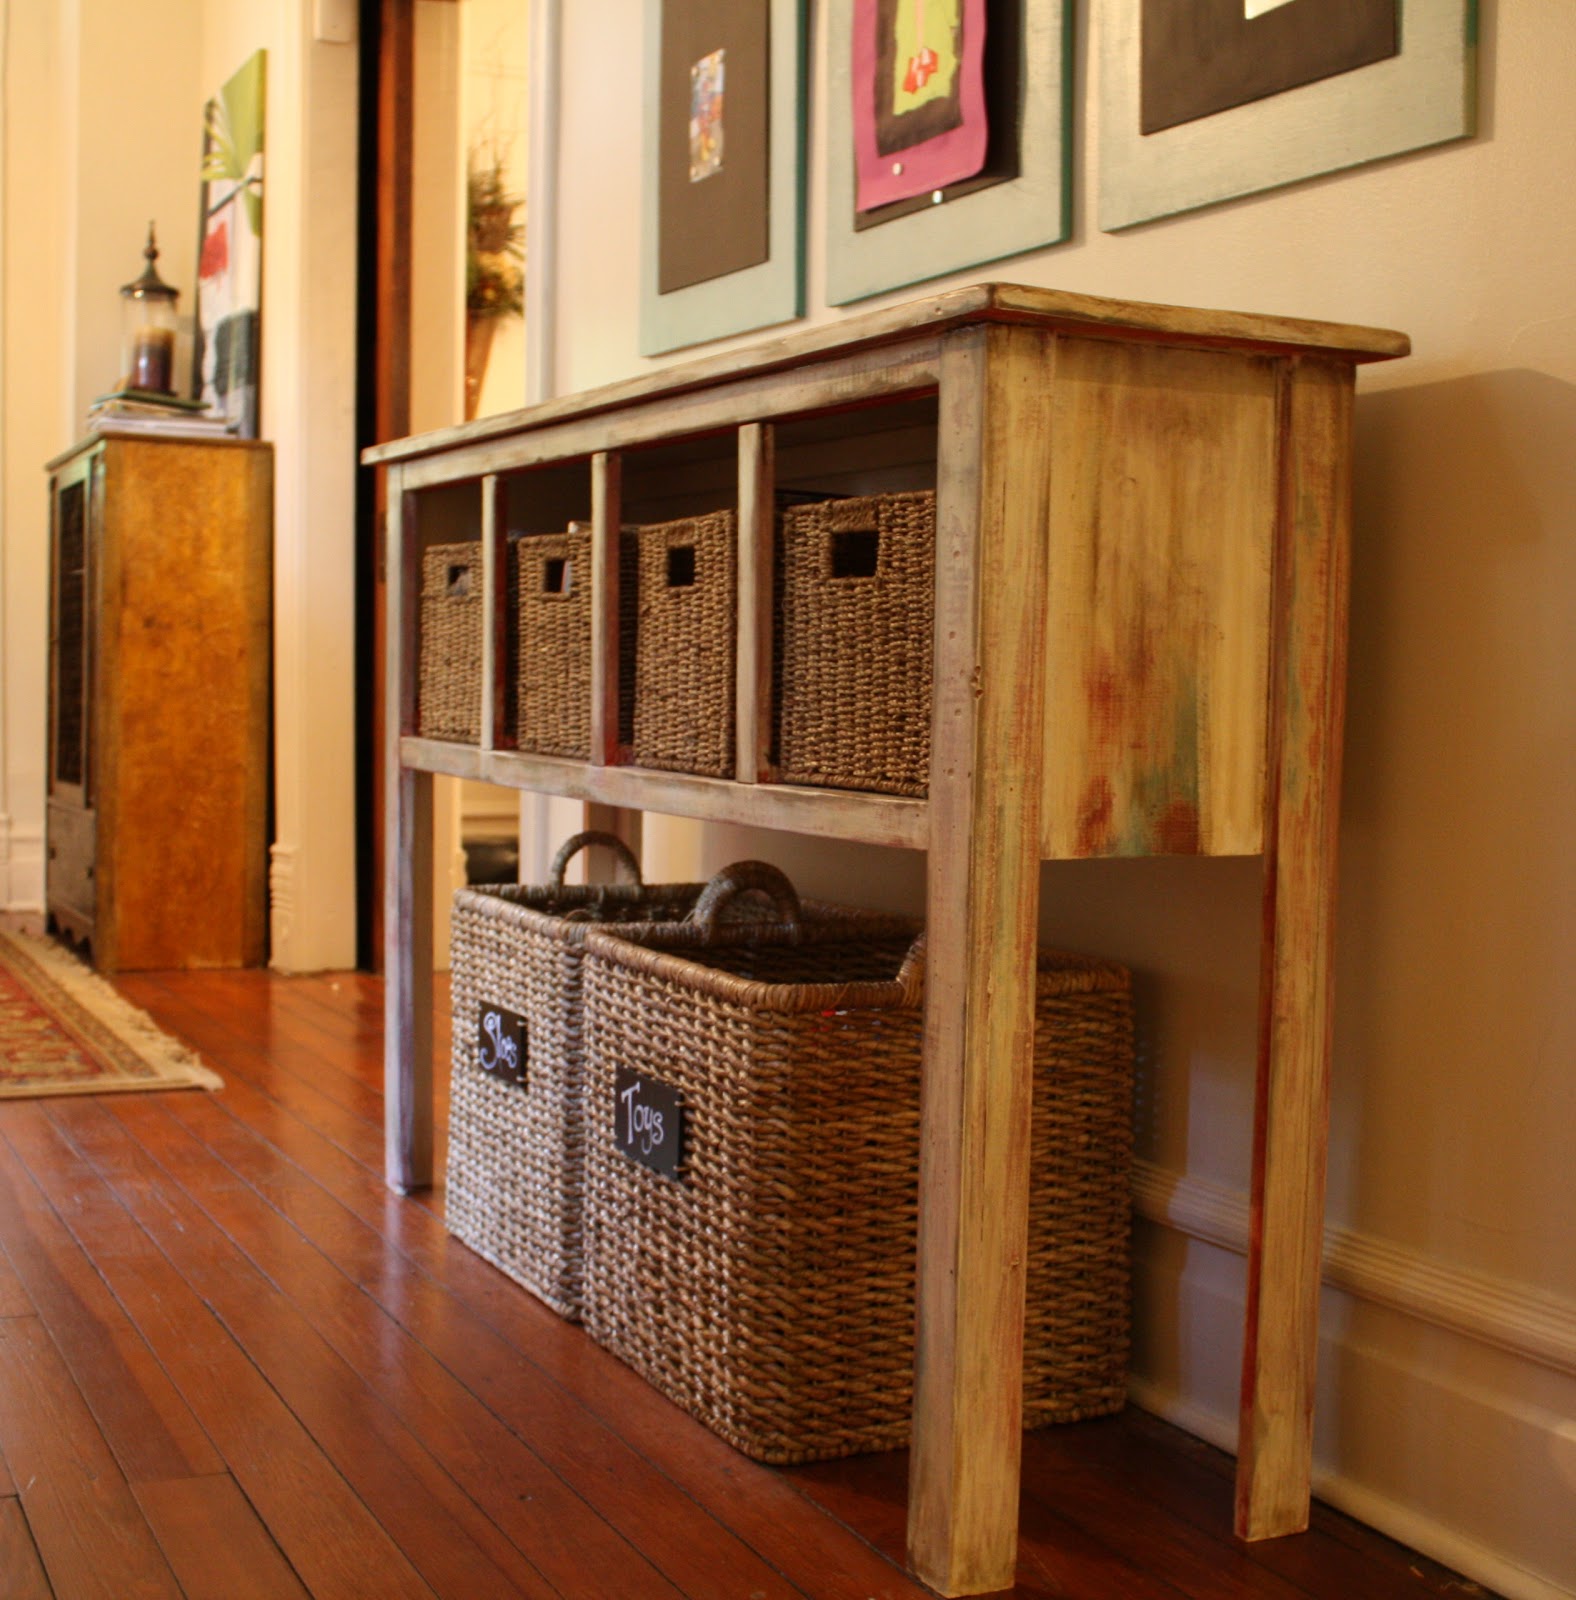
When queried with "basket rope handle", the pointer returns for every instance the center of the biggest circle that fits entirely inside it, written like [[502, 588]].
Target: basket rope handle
[[572, 846], [738, 879], [911, 975]]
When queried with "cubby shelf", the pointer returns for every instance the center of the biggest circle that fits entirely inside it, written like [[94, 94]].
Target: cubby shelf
[[1142, 524]]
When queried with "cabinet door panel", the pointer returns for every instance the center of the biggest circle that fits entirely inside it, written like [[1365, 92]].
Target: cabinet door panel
[[69, 878]]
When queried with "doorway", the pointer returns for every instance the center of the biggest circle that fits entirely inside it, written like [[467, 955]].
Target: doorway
[[441, 338]]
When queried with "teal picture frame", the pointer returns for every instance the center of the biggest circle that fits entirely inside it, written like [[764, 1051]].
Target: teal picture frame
[[754, 297], [1425, 95], [1009, 218]]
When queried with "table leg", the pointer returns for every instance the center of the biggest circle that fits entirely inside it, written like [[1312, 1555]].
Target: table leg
[[979, 1011], [407, 986], [1291, 1124], [407, 878]]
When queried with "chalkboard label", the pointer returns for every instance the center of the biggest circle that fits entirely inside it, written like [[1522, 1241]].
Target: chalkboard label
[[501, 1044], [648, 1121]]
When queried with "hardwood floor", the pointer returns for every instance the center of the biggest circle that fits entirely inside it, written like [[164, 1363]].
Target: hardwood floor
[[233, 1366]]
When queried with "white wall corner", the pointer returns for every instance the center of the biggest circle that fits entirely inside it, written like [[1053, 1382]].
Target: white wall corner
[[1446, 1412], [309, 411]]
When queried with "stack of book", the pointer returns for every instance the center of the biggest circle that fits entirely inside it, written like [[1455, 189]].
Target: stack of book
[[166, 415]]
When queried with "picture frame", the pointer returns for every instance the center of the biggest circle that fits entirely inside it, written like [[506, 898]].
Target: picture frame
[[978, 223], [771, 290], [1424, 95]]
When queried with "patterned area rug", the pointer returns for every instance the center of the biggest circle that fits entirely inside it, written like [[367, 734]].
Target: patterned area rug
[[64, 1030]]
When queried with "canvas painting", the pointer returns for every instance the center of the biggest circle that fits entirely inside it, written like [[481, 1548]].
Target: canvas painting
[[713, 141], [706, 125], [230, 252], [1204, 56], [919, 107]]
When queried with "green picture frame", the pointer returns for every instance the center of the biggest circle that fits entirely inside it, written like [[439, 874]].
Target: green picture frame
[[752, 297], [1027, 212], [1423, 96]]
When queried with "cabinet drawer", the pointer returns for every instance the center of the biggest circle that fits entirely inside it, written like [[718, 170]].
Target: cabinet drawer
[[68, 874]]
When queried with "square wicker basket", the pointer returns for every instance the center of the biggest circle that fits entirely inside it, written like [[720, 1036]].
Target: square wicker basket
[[516, 1157], [854, 643], [553, 643], [450, 657], [684, 651], [769, 1288]]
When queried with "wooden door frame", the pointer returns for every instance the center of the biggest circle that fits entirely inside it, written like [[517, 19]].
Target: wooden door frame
[[388, 36]]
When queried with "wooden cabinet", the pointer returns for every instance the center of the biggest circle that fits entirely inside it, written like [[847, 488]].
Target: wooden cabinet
[[1138, 648], [159, 662]]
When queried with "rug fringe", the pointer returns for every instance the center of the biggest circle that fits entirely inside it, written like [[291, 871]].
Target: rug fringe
[[133, 1027]]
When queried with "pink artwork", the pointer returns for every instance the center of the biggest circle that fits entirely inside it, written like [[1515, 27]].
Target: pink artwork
[[919, 115]]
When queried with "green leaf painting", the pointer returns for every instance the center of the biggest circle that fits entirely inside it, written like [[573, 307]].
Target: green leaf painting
[[234, 128]]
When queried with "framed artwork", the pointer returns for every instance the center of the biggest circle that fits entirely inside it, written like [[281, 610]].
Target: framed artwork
[[1206, 100], [227, 346], [988, 177], [722, 230]]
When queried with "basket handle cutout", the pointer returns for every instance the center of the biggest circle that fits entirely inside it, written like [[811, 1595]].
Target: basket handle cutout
[[558, 575], [457, 580], [856, 552], [571, 847], [681, 566], [742, 878]]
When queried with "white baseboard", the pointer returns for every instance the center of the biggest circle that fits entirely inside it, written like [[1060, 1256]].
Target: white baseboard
[[1448, 1546], [1520, 1320], [281, 906], [21, 866], [1447, 1410]]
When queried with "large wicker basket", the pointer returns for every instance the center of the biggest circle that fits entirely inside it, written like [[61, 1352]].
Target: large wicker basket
[[450, 658], [854, 643], [684, 652], [553, 643], [517, 1152], [768, 1288]]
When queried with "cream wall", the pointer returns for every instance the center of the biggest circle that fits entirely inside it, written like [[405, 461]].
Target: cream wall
[[35, 416], [101, 130], [1448, 1400], [78, 195]]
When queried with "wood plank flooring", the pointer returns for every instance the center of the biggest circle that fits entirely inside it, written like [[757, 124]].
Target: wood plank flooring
[[233, 1366]]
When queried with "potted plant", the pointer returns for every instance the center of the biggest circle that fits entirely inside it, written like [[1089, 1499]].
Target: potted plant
[[494, 262]]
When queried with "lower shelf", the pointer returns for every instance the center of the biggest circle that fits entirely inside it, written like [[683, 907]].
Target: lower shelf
[[827, 813]]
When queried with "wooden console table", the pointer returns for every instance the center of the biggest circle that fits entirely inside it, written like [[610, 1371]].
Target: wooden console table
[[1142, 537]]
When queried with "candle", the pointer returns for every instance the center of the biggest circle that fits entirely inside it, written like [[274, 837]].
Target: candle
[[153, 359]]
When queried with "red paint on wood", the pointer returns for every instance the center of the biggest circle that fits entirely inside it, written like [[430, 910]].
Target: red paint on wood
[[1176, 831], [1094, 817]]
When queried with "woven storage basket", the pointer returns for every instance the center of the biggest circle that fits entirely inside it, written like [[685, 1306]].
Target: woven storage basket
[[517, 1152], [769, 1289], [450, 702], [854, 643], [684, 651], [553, 650]]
